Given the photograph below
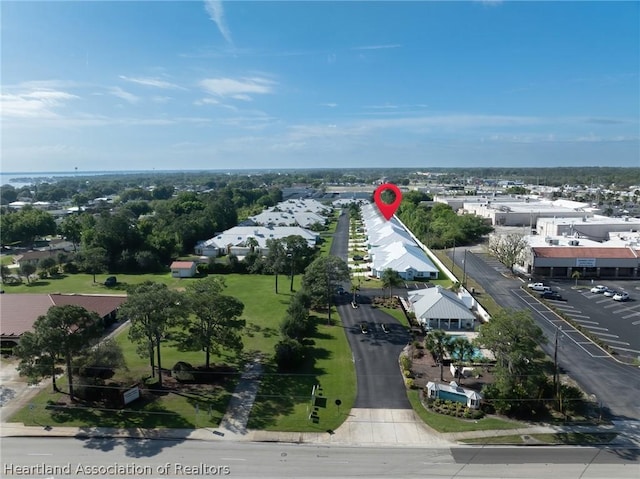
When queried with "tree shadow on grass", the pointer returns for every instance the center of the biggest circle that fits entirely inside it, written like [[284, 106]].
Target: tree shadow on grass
[[252, 329], [147, 421]]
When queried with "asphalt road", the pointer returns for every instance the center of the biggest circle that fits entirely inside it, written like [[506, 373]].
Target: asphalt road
[[375, 354], [609, 382], [195, 459]]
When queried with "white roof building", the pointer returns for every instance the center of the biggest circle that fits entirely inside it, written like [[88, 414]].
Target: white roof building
[[408, 260], [439, 308], [234, 240]]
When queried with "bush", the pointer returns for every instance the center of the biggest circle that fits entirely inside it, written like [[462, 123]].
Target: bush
[[410, 383], [289, 354], [405, 362], [183, 372]]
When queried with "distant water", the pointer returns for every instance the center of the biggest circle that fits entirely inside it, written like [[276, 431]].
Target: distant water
[[25, 178]]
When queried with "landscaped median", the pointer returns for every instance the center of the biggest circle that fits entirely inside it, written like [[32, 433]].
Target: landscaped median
[[283, 401]]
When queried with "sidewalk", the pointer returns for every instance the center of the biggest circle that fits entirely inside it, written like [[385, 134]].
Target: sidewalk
[[363, 427]]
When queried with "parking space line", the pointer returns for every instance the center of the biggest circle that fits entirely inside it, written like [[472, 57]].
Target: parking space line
[[594, 327], [585, 321], [610, 306], [627, 349], [579, 316], [617, 342], [604, 300], [628, 308], [635, 323], [597, 333], [631, 315]]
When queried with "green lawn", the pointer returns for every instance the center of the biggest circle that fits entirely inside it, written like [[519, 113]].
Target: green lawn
[[443, 423], [283, 399], [398, 314]]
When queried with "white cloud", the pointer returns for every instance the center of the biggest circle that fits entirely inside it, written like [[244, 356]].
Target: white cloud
[[154, 82], [242, 97], [125, 95], [329, 105], [216, 14], [229, 87], [33, 104]]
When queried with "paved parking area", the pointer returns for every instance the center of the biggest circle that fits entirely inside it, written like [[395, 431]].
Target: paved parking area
[[616, 323]]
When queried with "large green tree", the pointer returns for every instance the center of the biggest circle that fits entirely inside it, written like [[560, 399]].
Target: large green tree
[[93, 260], [215, 322], [25, 225], [299, 255], [276, 260], [514, 339], [321, 277], [152, 309], [62, 333]]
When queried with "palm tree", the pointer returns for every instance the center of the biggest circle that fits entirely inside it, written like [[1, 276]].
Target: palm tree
[[437, 341], [461, 350], [252, 243], [390, 278]]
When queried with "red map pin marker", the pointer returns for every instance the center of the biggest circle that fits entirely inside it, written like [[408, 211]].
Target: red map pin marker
[[387, 209]]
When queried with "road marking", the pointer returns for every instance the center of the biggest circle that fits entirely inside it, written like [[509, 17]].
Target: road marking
[[594, 327], [631, 315], [232, 459], [38, 454], [618, 342], [580, 316], [622, 310], [606, 334], [635, 323], [602, 301], [626, 349], [583, 321], [613, 305]]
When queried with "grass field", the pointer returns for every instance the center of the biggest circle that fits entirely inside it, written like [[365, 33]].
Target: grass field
[[329, 365]]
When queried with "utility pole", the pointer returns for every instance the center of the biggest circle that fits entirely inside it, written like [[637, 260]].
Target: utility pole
[[464, 269], [556, 375], [453, 256]]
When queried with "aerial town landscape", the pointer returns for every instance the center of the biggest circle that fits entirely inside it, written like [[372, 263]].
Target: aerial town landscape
[[265, 305], [319, 239]]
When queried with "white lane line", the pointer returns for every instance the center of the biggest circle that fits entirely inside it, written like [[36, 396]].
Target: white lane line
[[588, 322], [595, 327], [610, 306], [579, 316], [635, 323], [38, 454], [604, 300], [628, 308], [613, 341], [605, 334], [627, 349]]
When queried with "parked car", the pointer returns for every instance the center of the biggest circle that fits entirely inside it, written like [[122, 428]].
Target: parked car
[[538, 287], [551, 295], [110, 281], [358, 258], [354, 305], [610, 293], [364, 327], [385, 327], [599, 289], [622, 296]]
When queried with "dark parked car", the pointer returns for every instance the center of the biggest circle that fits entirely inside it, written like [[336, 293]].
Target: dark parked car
[[385, 327], [551, 295], [110, 281], [364, 327]]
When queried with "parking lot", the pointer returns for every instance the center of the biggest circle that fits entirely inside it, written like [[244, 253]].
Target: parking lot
[[617, 323]]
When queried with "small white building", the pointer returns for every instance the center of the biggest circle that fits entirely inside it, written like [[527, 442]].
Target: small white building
[[453, 392], [184, 269]]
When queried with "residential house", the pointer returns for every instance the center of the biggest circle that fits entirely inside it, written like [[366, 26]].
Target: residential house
[[439, 308], [184, 269]]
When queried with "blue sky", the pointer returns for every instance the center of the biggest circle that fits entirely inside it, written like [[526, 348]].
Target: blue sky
[[213, 85]]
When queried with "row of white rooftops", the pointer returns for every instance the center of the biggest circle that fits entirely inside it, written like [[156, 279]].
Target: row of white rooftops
[[295, 212], [391, 246], [287, 218]]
